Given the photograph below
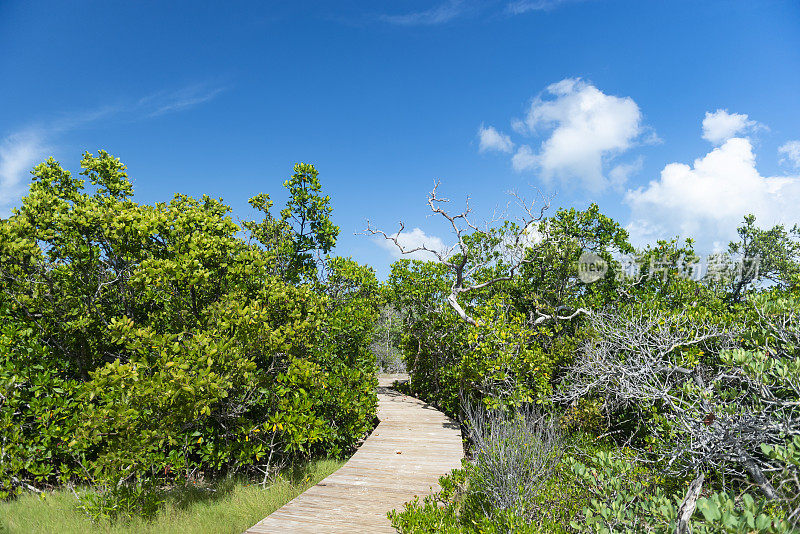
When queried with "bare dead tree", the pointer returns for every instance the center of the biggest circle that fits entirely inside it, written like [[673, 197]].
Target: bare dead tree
[[468, 256], [628, 357], [720, 416]]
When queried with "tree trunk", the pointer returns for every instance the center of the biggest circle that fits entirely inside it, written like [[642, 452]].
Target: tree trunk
[[688, 505], [759, 478]]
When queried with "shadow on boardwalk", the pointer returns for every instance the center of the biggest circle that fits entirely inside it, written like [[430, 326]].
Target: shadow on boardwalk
[[405, 455]]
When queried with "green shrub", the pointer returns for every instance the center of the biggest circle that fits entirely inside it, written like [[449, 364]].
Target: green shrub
[[40, 410], [723, 512], [625, 497], [145, 345]]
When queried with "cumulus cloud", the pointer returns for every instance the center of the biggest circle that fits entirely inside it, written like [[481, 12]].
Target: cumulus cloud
[[720, 125], [411, 240], [790, 152], [586, 129], [707, 200], [492, 140], [18, 154]]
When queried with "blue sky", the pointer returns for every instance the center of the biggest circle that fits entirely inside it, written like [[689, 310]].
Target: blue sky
[[677, 117]]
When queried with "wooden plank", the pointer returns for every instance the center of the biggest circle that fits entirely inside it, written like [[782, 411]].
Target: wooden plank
[[405, 455]]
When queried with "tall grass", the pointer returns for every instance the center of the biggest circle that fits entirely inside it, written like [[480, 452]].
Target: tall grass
[[231, 506]]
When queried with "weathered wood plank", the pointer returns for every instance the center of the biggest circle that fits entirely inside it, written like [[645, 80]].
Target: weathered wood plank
[[413, 446]]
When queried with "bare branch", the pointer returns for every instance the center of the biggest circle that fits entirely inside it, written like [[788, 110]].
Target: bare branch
[[542, 317], [630, 361], [476, 249]]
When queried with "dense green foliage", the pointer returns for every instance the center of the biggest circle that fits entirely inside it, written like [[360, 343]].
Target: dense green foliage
[[504, 359], [143, 345], [677, 371]]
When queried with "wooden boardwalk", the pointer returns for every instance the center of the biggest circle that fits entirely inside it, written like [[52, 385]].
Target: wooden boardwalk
[[405, 455]]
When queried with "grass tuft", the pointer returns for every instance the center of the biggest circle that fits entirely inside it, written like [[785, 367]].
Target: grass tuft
[[231, 506]]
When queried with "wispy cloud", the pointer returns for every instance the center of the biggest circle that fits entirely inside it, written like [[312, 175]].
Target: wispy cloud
[[491, 140], [18, 153], [450, 10], [790, 153], [21, 150], [519, 7], [165, 102], [619, 175], [439, 14]]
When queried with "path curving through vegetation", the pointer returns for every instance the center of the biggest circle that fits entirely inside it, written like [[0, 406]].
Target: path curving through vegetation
[[405, 455]]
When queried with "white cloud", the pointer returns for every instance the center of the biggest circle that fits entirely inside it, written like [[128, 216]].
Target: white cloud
[[791, 153], [20, 151], [491, 139], [413, 239], [589, 128], [519, 126], [440, 14], [164, 102], [721, 125], [448, 10], [619, 175], [529, 238], [524, 159], [708, 200], [524, 6], [18, 154]]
